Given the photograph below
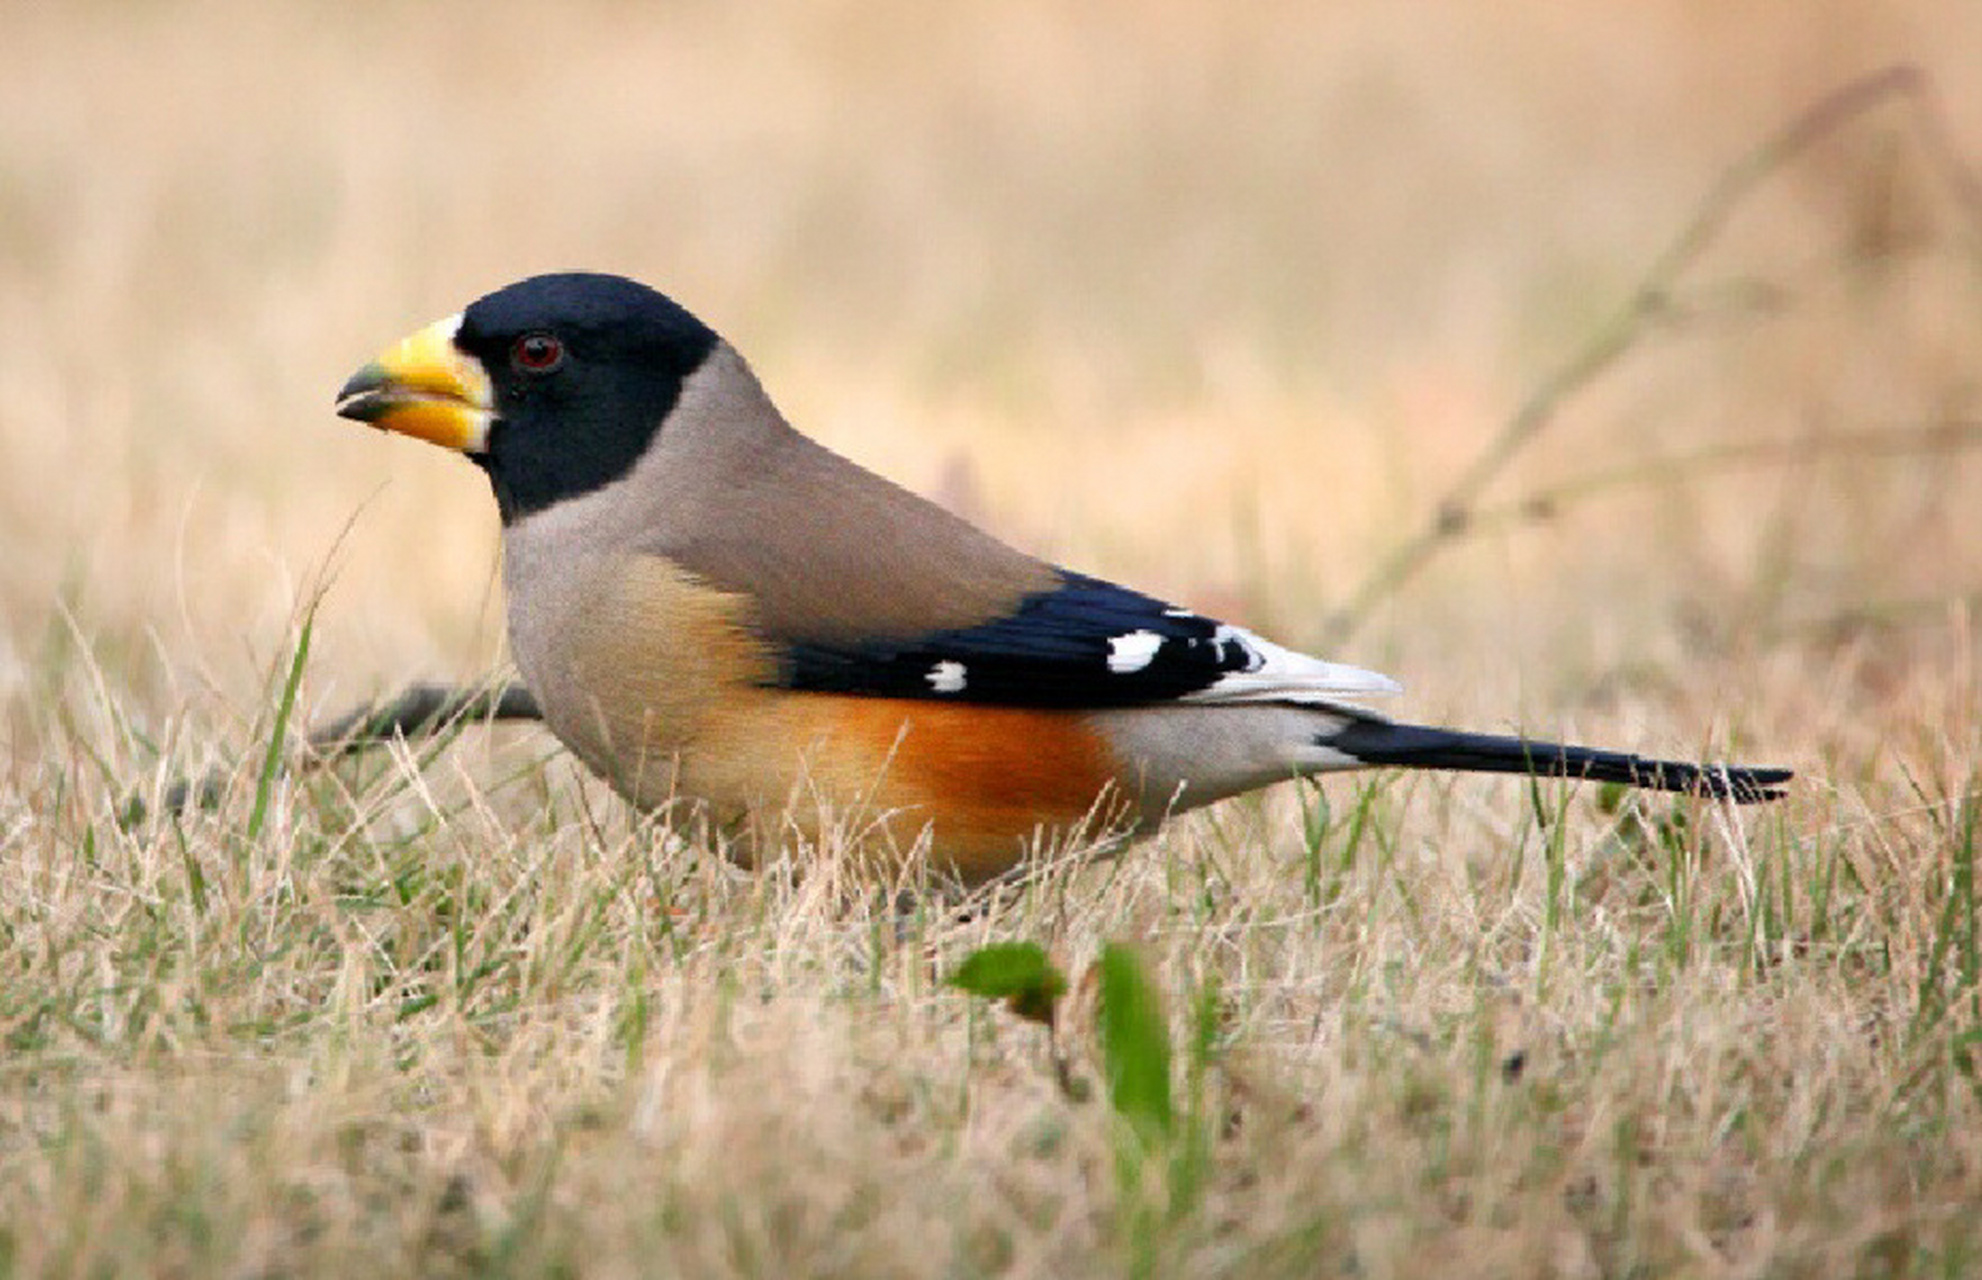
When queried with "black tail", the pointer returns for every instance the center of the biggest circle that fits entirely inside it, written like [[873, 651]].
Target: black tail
[[1412, 746]]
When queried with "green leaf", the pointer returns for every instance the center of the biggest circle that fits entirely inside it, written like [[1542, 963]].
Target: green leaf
[[1135, 1042], [1017, 973]]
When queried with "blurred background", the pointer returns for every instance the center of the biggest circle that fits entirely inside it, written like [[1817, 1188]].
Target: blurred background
[[1215, 300]]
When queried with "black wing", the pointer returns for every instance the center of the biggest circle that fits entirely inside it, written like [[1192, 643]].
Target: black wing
[[1084, 644]]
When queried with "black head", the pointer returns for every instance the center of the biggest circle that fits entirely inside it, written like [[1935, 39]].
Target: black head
[[582, 370]]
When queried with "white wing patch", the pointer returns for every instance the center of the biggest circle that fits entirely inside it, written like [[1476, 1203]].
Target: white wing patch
[[1128, 654], [1274, 673], [946, 677]]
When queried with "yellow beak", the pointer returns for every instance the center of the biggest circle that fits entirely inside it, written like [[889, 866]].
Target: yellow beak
[[426, 387]]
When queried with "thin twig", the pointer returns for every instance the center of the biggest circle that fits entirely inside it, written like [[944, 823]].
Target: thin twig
[[421, 709], [1546, 503], [1650, 303], [418, 710]]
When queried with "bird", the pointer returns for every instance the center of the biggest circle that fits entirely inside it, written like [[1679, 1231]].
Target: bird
[[735, 625]]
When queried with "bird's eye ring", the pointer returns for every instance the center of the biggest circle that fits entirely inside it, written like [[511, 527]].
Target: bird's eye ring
[[537, 353]]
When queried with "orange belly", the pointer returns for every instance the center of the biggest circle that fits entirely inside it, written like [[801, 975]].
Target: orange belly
[[985, 783]]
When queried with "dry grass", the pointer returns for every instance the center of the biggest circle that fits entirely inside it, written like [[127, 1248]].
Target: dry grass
[[1216, 303]]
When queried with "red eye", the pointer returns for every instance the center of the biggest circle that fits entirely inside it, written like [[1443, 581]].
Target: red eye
[[537, 353]]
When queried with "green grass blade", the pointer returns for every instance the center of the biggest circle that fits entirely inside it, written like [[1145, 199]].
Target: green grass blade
[[279, 731]]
